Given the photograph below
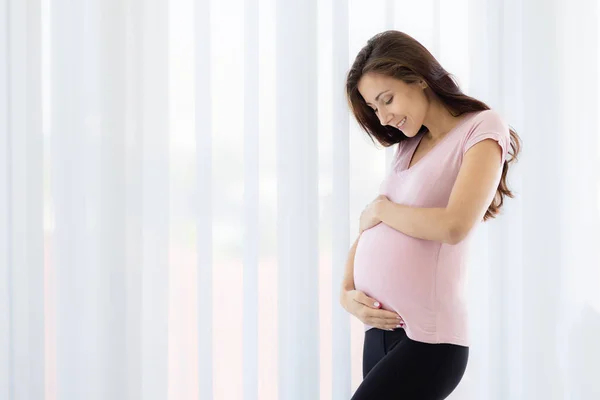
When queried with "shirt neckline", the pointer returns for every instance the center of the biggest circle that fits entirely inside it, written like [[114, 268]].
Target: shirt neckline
[[406, 167]]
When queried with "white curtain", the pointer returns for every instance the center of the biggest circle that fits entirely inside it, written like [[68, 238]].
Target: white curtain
[[180, 182]]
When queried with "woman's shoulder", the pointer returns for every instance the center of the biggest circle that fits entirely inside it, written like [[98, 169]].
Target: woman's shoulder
[[489, 120], [487, 124]]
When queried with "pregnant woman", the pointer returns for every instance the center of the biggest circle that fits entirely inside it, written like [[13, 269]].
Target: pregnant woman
[[406, 273]]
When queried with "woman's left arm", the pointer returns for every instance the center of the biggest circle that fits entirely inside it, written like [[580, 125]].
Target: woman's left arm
[[472, 194]]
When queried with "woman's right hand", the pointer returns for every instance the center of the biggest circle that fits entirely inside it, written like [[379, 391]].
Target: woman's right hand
[[368, 311], [367, 216]]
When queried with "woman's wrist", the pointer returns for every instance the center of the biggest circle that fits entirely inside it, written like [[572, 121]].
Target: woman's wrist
[[346, 287], [348, 284]]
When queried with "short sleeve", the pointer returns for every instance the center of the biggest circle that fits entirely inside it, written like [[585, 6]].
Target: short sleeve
[[489, 125]]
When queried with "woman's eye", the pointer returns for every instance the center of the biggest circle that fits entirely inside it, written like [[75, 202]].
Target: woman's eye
[[390, 100]]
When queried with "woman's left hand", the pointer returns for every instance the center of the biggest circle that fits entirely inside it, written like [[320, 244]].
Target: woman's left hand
[[368, 217]]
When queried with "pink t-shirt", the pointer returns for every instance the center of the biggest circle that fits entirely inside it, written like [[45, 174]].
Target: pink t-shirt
[[422, 280]]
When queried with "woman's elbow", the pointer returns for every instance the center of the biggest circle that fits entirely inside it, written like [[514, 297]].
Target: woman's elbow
[[456, 233]]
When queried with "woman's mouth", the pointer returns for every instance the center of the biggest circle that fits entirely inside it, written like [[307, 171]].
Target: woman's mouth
[[401, 123]]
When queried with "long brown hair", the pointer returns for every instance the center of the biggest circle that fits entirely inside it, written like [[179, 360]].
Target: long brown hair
[[398, 55]]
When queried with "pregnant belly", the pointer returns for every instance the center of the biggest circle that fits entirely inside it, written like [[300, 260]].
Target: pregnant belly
[[397, 270]]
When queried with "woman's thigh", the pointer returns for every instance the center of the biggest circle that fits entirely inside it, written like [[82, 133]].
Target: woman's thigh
[[377, 344], [415, 370], [373, 349]]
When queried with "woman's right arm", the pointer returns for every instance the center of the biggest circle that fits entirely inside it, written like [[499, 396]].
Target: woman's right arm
[[348, 280]]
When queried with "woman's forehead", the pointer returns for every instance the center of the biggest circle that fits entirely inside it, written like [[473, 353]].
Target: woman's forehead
[[370, 85]]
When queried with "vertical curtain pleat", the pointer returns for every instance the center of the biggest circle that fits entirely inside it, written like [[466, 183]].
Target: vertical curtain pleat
[[511, 322], [340, 202], [578, 314], [543, 211], [89, 190], [297, 200], [111, 239], [107, 197], [251, 201], [204, 193], [154, 118], [22, 264], [133, 199], [485, 38], [73, 364], [5, 154]]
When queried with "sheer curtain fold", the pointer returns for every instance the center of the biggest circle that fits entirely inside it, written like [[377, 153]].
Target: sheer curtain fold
[[340, 196], [109, 188], [297, 199], [251, 201], [22, 272]]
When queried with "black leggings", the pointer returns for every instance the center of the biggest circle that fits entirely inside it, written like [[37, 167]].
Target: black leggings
[[397, 367]]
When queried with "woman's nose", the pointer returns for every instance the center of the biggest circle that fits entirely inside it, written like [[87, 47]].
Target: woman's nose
[[385, 118]]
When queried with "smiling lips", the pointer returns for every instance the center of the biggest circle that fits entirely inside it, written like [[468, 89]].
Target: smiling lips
[[401, 123]]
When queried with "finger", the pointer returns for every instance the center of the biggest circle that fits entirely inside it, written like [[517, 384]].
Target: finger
[[384, 318], [366, 300], [387, 315], [382, 314], [394, 325], [386, 324]]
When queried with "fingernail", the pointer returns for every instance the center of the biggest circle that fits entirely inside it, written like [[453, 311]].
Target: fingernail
[[398, 326], [376, 304]]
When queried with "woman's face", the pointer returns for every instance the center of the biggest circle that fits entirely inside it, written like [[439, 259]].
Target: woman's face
[[396, 103]]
